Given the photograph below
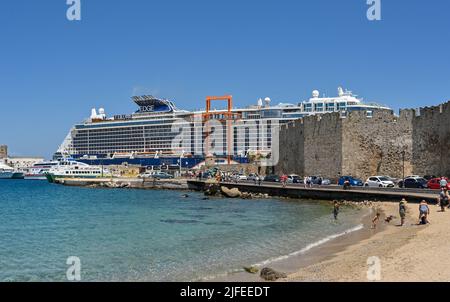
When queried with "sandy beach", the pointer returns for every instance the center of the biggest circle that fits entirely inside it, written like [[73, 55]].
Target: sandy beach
[[408, 253]]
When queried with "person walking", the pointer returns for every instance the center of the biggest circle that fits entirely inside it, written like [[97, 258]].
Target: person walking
[[402, 211], [284, 179], [443, 183], [443, 199]]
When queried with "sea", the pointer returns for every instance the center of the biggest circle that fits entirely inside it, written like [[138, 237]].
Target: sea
[[148, 235]]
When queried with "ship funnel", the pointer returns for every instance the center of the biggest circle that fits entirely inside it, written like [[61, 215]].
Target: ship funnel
[[260, 103], [340, 91], [94, 114]]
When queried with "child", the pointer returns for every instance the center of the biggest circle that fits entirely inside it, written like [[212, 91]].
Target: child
[[375, 220]]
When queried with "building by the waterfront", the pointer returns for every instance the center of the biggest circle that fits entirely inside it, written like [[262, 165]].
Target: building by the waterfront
[[3, 151], [23, 162]]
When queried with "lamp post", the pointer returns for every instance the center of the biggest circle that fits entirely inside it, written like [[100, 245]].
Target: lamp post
[[403, 168]]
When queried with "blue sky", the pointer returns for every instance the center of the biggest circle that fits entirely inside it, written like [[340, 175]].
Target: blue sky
[[52, 71]]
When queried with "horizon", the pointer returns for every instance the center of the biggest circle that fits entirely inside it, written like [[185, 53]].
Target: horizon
[[54, 71]]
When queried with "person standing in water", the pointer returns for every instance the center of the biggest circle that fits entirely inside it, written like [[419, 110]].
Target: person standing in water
[[336, 209], [402, 211]]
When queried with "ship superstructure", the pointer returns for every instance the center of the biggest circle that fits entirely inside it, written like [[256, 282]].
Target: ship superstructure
[[159, 133]]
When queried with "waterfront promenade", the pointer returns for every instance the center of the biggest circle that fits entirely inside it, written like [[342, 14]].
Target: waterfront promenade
[[295, 191], [325, 192]]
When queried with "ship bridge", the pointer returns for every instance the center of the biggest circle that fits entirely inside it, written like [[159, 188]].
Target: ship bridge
[[149, 103]]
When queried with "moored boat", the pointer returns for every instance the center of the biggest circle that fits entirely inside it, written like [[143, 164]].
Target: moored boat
[[74, 169]]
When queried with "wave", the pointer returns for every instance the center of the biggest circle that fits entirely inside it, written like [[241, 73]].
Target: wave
[[311, 246], [296, 253]]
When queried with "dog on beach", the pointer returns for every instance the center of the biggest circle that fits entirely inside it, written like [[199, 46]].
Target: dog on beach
[[389, 219]]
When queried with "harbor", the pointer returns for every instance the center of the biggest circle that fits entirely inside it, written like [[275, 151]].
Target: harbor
[[207, 142]]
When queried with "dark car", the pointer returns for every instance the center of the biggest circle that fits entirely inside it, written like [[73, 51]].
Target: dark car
[[353, 181], [272, 178], [418, 183]]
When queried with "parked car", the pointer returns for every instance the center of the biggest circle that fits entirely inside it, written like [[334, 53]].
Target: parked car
[[146, 174], [379, 181], [434, 184], [240, 177], [294, 179], [353, 181], [252, 177], [318, 179], [162, 175], [413, 176], [272, 178], [414, 182]]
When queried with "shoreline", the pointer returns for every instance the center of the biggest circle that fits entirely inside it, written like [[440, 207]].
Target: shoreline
[[315, 252]]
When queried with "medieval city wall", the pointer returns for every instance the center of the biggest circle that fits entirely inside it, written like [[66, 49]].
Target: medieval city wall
[[415, 142]]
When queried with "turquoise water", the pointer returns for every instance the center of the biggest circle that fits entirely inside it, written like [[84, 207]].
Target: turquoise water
[[134, 235]]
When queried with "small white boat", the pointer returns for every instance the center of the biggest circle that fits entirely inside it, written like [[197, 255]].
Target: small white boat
[[7, 172], [37, 171]]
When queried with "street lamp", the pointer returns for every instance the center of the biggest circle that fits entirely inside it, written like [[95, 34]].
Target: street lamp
[[403, 168]]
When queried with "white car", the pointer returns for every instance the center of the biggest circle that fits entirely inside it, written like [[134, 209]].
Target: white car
[[146, 175], [379, 182], [240, 177]]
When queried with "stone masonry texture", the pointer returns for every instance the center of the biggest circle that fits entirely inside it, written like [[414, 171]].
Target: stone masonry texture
[[415, 142]]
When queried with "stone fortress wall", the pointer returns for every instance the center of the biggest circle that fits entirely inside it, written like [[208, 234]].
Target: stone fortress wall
[[416, 142]]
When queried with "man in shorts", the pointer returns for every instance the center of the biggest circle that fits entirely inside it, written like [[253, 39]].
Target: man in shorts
[[402, 211]]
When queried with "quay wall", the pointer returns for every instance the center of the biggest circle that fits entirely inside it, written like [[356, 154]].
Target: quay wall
[[361, 145]]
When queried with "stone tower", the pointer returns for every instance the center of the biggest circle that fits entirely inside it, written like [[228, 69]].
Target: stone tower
[[3, 151]]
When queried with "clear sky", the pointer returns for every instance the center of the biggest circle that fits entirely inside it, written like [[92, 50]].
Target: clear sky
[[52, 71]]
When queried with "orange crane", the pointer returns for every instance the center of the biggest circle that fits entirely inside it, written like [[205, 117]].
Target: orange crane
[[229, 116]]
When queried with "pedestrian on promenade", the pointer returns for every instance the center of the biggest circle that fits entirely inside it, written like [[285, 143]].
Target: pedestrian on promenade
[[284, 179], [402, 211], [305, 181], [443, 183]]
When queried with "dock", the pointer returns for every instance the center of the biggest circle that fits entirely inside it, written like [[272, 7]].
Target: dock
[[125, 183]]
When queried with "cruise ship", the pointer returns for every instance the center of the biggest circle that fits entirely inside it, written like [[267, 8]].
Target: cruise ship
[[160, 134]]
